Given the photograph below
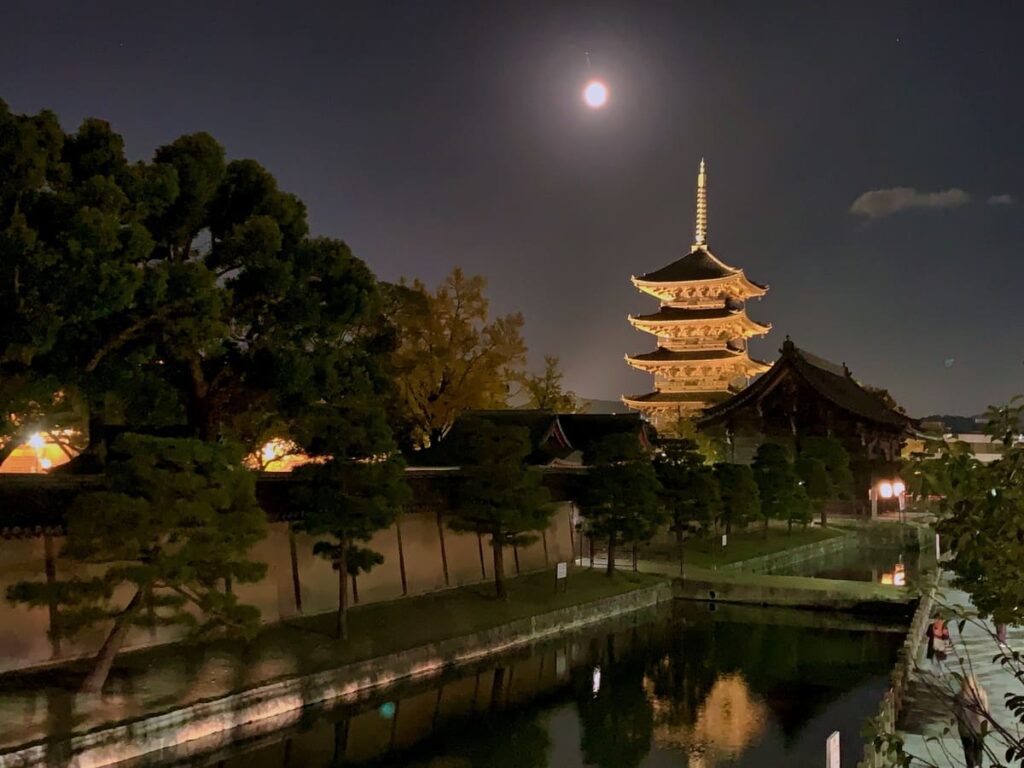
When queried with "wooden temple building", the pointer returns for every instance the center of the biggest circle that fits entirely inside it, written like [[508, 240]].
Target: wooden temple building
[[701, 330], [803, 395]]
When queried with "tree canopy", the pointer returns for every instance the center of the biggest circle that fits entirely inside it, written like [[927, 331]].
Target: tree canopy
[[981, 516], [741, 499], [171, 529], [451, 356], [546, 391], [500, 495], [180, 291], [621, 500]]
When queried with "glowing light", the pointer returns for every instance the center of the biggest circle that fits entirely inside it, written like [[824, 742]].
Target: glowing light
[[899, 576], [270, 451], [387, 710], [898, 487], [45, 464], [595, 94], [596, 681], [37, 441], [885, 489]]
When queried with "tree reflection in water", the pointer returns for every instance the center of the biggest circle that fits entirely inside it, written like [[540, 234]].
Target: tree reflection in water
[[738, 687]]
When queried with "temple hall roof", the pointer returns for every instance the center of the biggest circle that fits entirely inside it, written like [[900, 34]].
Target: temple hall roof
[[830, 381]]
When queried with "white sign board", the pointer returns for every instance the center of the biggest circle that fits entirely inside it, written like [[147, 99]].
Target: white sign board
[[562, 570], [725, 539], [832, 751]]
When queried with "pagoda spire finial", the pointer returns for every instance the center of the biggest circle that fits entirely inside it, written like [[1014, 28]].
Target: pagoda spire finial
[[701, 232]]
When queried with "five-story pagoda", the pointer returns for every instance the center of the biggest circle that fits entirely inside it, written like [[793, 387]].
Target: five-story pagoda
[[701, 328]]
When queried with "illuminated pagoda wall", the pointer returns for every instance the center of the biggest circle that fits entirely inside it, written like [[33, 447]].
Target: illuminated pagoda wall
[[701, 329]]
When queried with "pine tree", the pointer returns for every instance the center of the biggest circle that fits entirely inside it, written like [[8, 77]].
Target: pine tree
[[621, 502], [354, 488], [741, 500], [173, 526], [500, 495]]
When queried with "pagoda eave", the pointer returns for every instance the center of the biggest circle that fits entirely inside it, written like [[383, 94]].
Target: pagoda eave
[[736, 285]]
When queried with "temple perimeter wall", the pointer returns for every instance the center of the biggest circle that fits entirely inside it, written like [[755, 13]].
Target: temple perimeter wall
[[432, 556]]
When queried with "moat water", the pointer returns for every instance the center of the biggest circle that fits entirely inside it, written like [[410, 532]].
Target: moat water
[[681, 686]]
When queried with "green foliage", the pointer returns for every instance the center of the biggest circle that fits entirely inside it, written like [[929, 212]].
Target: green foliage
[[689, 488], [451, 357], [182, 291], [712, 449], [833, 455], [782, 497], [500, 495], [356, 488], [546, 391], [816, 483], [741, 499], [981, 519], [621, 500], [172, 526]]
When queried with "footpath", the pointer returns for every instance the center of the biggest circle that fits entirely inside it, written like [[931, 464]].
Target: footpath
[[926, 723]]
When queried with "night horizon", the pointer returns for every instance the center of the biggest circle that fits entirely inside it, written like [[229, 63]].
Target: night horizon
[[428, 140]]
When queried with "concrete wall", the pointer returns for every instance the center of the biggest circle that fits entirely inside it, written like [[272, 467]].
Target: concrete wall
[[309, 588]]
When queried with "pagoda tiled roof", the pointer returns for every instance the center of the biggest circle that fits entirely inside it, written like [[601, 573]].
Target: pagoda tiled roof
[[673, 314], [670, 355], [678, 397], [698, 264], [830, 381]]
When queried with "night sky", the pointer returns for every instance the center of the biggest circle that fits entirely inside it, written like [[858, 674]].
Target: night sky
[[431, 134]]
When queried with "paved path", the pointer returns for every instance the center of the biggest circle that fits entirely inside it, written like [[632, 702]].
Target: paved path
[[927, 723]]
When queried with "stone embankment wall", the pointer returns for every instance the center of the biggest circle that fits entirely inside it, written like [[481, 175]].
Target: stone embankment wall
[[892, 702], [768, 563], [421, 554], [278, 705]]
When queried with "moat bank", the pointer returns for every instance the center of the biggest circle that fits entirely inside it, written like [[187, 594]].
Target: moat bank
[[169, 695]]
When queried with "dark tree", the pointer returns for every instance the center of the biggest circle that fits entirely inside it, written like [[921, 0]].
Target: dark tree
[[689, 490], [816, 483], [621, 501], [741, 500], [500, 495], [355, 488], [172, 527], [182, 291], [777, 484], [833, 455]]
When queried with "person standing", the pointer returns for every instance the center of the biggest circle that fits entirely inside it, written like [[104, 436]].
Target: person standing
[[971, 709]]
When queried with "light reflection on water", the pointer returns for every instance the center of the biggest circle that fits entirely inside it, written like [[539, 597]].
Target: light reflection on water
[[683, 688]]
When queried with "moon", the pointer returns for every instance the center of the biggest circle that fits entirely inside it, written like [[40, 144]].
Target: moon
[[595, 94]]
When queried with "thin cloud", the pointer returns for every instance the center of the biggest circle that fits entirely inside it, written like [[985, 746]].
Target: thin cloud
[[1000, 200], [879, 203]]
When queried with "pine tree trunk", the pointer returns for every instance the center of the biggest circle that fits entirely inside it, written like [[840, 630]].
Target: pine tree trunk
[[824, 515], [610, 569], [499, 567], [341, 625], [789, 526], [94, 681], [679, 548]]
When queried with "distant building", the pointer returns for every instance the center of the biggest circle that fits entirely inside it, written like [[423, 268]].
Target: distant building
[[701, 330], [556, 440], [803, 395]]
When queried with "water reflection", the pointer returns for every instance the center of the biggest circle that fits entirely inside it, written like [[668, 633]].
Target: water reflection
[[881, 566], [691, 688]]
